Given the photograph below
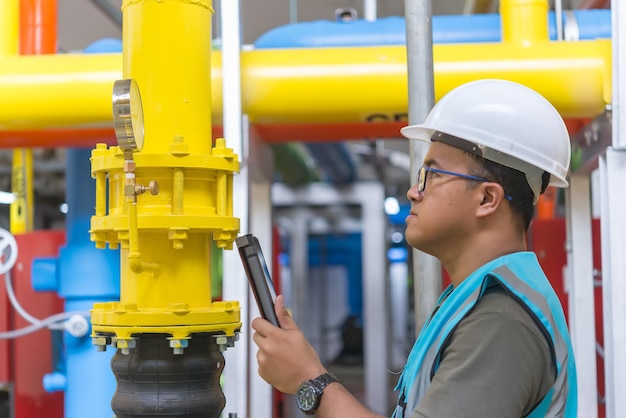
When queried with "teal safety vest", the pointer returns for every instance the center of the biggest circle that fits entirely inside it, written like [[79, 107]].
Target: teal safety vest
[[521, 275]]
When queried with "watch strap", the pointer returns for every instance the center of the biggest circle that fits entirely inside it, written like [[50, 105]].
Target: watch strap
[[324, 380]]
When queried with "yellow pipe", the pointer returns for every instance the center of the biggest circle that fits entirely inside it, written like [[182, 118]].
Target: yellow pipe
[[9, 28], [21, 210], [524, 21], [172, 68], [54, 91], [333, 84], [165, 280]]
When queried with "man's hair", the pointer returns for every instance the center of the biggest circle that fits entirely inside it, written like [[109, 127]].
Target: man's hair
[[515, 185]]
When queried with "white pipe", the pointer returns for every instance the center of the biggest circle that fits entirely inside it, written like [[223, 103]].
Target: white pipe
[[558, 15], [241, 381], [48, 322], [612, 171], [15, 303], [370, 10]]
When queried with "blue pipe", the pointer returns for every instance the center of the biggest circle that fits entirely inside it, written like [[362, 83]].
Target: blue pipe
[[342, 250], [82, 275], [592, 24]]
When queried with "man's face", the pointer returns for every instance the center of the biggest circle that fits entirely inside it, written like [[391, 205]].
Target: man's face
[[441, 215]]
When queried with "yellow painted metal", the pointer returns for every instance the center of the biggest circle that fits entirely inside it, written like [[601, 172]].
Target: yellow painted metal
[[21, 210], [524, 21], [166, 238], [167, 50], [312, 85], [57, 90], [574, 76], [341, 85], [9, 27]]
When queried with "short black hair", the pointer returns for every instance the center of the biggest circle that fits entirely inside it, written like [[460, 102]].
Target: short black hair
[[513, 181], [514, 184]]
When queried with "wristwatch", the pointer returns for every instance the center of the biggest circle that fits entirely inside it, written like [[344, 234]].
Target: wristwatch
[[309, 393]]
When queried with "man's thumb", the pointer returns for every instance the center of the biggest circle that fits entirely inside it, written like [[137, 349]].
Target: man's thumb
[[284, 317]]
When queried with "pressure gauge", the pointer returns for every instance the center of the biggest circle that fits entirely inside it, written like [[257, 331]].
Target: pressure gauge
[[128, 115]]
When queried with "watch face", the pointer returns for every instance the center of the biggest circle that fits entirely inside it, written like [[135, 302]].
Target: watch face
[[307, 397]]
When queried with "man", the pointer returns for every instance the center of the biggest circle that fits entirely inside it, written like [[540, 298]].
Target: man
[[497, 343]]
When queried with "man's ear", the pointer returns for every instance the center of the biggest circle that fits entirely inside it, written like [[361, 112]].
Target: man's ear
[[492, 197]]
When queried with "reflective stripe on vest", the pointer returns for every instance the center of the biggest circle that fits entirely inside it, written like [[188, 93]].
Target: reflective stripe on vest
[[535, 294]]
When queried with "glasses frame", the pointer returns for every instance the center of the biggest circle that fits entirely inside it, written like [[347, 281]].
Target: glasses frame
[[422, 174]]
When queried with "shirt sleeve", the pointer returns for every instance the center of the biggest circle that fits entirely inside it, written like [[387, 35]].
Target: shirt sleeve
[[497, 364]]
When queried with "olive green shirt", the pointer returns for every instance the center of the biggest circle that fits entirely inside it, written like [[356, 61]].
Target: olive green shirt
[[497, 363]]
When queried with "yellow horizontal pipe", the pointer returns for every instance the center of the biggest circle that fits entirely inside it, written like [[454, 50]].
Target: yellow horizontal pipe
[[311, 85], [57, 91]]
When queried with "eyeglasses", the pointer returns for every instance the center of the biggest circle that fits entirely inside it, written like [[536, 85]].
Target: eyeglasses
[[422, 174]]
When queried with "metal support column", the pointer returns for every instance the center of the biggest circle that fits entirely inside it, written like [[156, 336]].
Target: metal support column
[[247, 395], [370, 196], [419, 45], [580, 288], [613, 227], [613, 201]]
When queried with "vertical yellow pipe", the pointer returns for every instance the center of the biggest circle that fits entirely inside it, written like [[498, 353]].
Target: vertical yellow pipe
[[9, 46], [524, 21], [9, 27], [21, 211], [167, 50]]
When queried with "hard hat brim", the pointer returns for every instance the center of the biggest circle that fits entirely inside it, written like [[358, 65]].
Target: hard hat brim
[[420, 131]]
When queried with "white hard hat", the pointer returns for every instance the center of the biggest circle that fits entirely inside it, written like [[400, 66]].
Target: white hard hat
[[509, 123]]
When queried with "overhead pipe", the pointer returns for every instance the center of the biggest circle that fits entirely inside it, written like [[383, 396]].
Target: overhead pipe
[[64, 99], [341, 85], [446, 29]]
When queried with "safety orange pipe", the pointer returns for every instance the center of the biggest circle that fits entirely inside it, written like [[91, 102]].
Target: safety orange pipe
[[38, 27]]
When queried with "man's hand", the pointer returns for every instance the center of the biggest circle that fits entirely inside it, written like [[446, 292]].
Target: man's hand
[[285, 357]]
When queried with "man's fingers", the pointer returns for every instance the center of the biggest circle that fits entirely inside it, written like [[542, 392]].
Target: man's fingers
[[284, 317]]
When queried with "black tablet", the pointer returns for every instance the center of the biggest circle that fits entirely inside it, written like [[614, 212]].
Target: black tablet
[[258, 275]]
